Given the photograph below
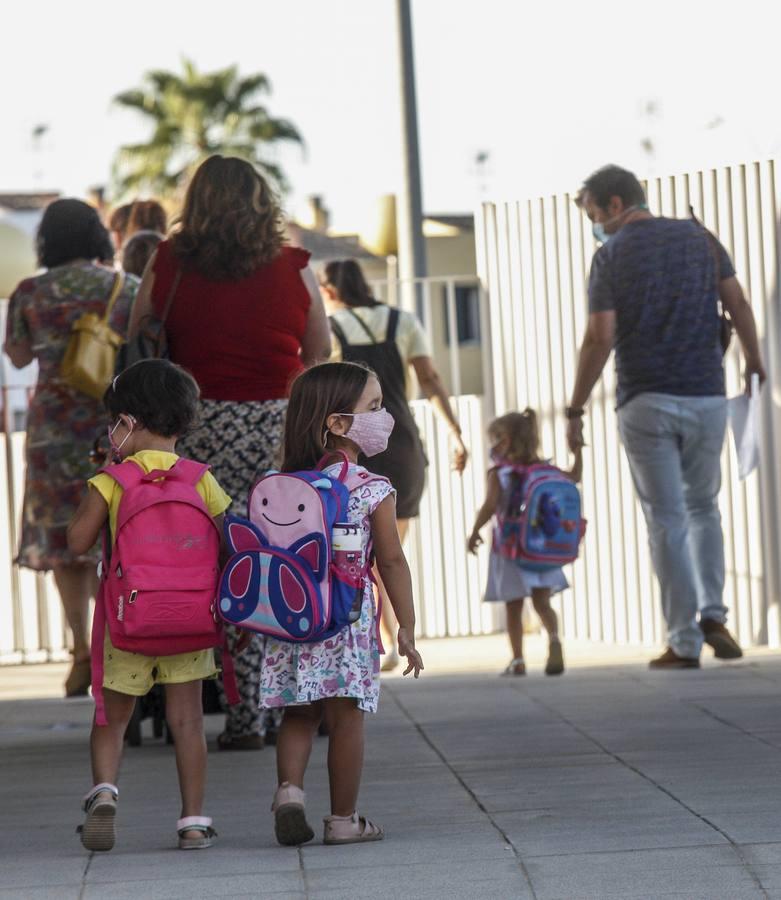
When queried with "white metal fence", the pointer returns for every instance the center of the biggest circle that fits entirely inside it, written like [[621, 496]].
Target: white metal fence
[[533, 261], [533, 258], [448, 586]]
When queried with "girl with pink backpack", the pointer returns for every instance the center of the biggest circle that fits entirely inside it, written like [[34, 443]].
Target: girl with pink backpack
[[154, 622], [335, 412]]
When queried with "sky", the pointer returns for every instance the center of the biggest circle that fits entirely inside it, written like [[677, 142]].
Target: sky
[[549, 91]]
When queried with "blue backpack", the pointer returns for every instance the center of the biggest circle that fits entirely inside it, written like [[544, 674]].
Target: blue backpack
[[539, 521], [298, 570]]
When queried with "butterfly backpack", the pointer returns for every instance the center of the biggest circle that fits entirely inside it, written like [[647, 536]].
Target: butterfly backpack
[[297, 570]]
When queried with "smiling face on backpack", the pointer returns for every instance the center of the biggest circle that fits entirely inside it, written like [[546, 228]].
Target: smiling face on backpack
[[285, 507]]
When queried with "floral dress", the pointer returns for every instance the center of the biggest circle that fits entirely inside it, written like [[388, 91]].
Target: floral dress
[[62, 423], [345, 665]]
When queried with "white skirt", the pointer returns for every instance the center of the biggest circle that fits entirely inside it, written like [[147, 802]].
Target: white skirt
[[508, 580]]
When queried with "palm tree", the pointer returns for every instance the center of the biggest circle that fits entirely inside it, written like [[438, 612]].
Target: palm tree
[[194, 115]]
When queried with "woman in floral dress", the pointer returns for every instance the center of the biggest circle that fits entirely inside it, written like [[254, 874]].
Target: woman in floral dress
[[62, 423]]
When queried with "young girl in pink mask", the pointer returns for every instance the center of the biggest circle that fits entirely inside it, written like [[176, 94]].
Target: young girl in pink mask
[[335, 409]]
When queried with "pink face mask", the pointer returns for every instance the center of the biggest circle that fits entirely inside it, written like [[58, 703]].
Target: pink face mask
[[116, 447], [370, 430]]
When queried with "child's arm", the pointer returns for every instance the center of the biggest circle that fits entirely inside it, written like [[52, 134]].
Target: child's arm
[[89, 518], [576, 472], [486, 511], [393, 568]]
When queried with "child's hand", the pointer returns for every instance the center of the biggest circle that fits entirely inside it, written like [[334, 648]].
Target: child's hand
[[407, 648], [474, 542]]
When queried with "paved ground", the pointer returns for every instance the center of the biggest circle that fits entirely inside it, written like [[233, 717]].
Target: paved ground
[[611, 782]]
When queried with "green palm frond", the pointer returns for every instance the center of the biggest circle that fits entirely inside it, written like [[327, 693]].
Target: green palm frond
[[194, 114]]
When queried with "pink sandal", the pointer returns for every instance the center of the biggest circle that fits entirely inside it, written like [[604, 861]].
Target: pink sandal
[[352, 829], [290, 824]]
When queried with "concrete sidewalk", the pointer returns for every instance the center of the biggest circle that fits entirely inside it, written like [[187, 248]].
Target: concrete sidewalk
[[611, 782]]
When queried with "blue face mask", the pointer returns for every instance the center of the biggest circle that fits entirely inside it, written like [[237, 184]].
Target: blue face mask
[[598, 228]]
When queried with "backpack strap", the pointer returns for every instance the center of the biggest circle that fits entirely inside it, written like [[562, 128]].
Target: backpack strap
[[393, 325], [127, 474], [189, 470], [96, 651], [343, 472], [339, 333], [363, 325]]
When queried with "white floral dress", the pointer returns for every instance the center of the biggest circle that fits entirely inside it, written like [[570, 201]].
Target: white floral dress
[[345, 665]]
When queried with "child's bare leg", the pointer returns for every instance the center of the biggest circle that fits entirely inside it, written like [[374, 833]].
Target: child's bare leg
[[549, 619], [541, 600], [294, 741], [184, 714], [107, 741], [345, 753], [515, 626]]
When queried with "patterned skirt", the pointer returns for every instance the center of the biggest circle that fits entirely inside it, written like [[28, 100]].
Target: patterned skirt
[[240, 441]]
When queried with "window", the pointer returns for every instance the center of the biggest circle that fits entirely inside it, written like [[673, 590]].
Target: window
[[467, 314]]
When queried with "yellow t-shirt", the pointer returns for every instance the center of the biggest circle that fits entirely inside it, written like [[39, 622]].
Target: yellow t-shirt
[[215, 498]]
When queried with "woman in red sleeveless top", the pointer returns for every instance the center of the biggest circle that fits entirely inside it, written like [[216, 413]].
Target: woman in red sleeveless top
[[244, 316]]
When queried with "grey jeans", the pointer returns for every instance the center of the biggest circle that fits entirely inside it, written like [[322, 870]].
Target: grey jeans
[[674, 450]]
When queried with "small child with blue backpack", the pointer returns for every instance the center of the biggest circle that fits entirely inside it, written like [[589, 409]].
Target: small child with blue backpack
[[155, 620], [537, 528], [300, 574]]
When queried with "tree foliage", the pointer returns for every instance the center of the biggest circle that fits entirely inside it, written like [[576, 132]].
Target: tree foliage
[[194, 115]]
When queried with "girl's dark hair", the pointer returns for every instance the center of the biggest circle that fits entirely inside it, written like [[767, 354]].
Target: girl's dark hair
[[71, 229], [231, 223], [316, 394], [138, 251], [521, 428], [160, 395], [346, 277]]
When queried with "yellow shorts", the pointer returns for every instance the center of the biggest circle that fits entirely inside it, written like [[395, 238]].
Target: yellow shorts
[[134, 674]]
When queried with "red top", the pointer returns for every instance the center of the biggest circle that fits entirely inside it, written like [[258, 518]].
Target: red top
[[240, 339]]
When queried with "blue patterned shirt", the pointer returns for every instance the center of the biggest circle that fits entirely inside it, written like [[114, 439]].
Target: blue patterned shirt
[[660, 276]]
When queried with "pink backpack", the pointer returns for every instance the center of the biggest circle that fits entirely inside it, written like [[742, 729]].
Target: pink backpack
[[158, 585], [298, 568]]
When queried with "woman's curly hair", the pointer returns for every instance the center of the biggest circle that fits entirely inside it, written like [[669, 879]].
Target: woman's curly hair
[[231, 223]]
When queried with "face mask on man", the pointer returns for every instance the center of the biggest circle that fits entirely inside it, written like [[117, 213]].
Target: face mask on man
[[598, 228]]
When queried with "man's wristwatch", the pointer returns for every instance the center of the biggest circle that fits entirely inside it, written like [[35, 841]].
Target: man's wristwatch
[[572, 412]]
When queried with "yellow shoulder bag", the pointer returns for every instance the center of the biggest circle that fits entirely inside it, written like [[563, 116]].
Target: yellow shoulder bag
[[91, 354]]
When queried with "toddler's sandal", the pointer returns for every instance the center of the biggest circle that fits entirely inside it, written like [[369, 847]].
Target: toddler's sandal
[[201, 824], [352, 829], [98, 831], [290, 824], [515, 667]]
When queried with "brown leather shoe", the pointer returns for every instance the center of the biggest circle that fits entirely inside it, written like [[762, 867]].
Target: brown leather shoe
[[670, 660], [716, 635]]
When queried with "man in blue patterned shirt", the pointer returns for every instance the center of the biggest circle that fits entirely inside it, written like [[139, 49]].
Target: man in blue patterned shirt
[[653, 294]]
